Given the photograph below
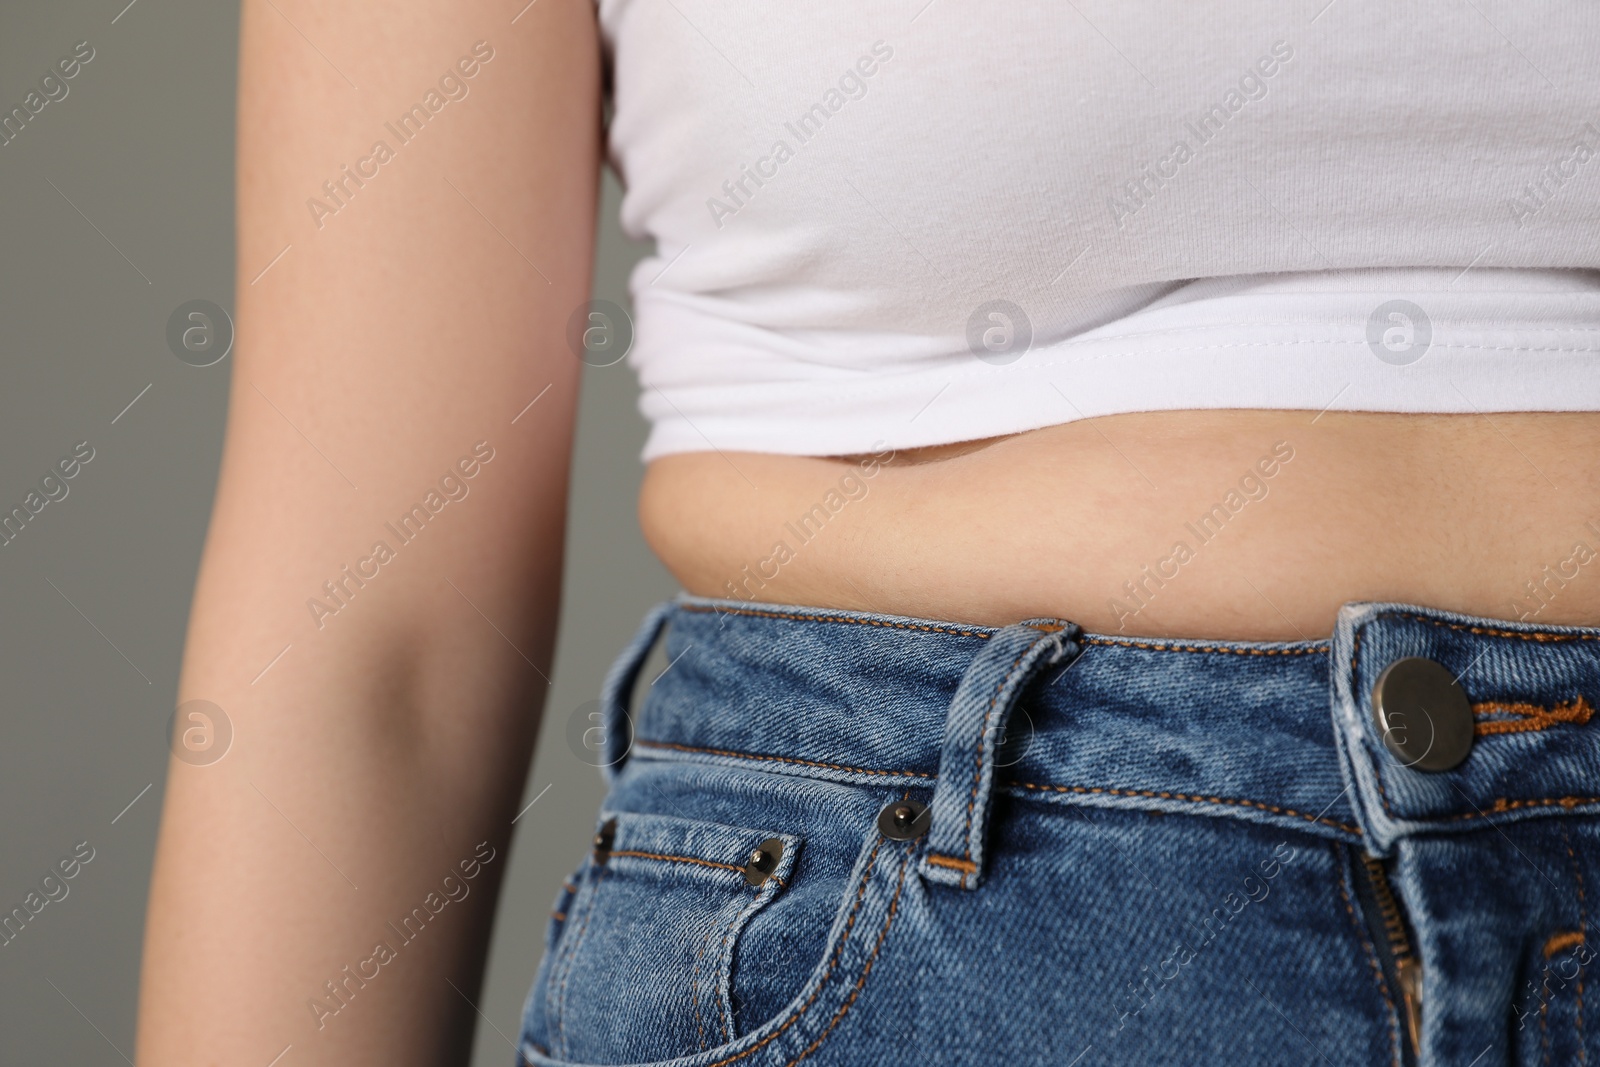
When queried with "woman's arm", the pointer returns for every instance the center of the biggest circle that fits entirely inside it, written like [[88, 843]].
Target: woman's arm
[[383, 357]]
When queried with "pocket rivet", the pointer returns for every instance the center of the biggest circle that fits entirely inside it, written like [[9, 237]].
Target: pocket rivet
[[904, 820], [603, 841], [763, 861]]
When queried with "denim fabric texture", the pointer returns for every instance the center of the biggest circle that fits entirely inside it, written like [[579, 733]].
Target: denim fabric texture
[[1136, 851]]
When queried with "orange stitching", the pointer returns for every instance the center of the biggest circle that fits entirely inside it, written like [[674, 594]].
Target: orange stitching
[[838, 953], [689, 859], [721, 948], [780, 759], [1501, 804], [1544, 1018], [886, 624], [1531, 716], [951, 861], [894, 906], [674, 859], [1583, 923], [1225, 650], [561, 998], [559, 916], [988, 713], [1562, 942], [1228, 801], [1383, 794], [1535, 635], [727, 1035], [982, 636], [1542, 636], [861, 894], [1377, 771], [694, 989], [1025, 785], [1340, 865]]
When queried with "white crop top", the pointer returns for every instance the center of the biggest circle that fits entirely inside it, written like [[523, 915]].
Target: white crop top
[[928, 221]]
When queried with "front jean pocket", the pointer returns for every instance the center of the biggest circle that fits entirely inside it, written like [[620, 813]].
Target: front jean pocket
[[640, 967], [667, 953]]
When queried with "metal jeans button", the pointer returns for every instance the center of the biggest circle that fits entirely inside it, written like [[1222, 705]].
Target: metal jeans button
[[603, 842], [904, 820], [763, 861], [1422, 714]]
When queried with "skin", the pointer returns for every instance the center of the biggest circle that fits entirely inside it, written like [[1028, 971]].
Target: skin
[[1454, 511], [397, 737], [390, 743]]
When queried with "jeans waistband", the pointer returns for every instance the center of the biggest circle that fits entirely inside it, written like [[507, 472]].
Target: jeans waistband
[[1270, 732]]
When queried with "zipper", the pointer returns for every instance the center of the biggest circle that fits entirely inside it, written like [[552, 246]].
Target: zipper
[[1399, 963]]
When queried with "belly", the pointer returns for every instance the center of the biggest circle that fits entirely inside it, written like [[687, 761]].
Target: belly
[[1249, 525]]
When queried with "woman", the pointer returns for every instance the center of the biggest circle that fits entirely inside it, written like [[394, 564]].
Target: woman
[[1135, 477]]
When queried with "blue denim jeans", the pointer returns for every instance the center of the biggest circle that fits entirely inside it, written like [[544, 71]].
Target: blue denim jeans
[[857, 839]]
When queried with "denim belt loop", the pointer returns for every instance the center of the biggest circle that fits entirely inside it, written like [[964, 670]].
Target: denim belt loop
[[616, 692], [974, 725]]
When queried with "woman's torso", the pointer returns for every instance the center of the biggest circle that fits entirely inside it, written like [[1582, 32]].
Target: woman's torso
[[1379, 236]]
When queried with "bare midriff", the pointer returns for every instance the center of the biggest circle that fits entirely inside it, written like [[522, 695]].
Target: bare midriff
[[1242, 525]]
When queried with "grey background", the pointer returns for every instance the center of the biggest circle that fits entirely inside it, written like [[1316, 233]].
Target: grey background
[[96, 589]]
